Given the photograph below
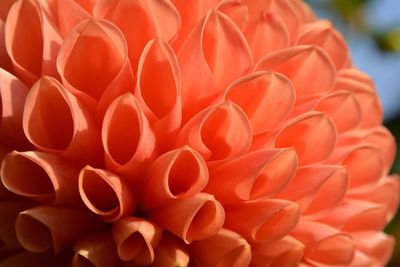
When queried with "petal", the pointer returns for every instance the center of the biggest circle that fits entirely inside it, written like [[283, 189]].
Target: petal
[[218, 132], [312, 134], [171, 251], [38, 229], [257, 174], [262, 220], [26, 258], [195, 218], [5, 61], [265, 97], [128, 140], [106, 194], [225, 249], [55, 121], [39, 57], [177, 174], [375, 245], [299, 63], [96, 250], [42, 177], [136, 239]]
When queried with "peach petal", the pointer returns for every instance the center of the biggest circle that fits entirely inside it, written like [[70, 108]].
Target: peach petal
[[236, 11], [97, 250], [128, 140], [37, 59], [101, 79], [158, 88], [218, 53], [195, 218], [299, 63], [376, 245], [354, 80], [312, 134], [262, 220], [106, 194], [12, 99], [171, 251], [219, 132], [324, 244], [38, 229], [67, 129], [177, 174], [323, 34], [265, 97], [224, 249], [257, 174], [159, 18], [9, 211], [43, 177], [136, 239], [5, 7], [284, 252], [361, 260]]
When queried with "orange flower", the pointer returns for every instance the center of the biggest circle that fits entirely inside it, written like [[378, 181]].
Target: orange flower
[[187, 133]]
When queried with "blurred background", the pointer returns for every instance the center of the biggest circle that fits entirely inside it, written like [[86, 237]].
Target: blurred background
[[372, 30]]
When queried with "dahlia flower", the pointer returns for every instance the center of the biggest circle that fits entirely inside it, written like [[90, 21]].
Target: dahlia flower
[[188, 133]]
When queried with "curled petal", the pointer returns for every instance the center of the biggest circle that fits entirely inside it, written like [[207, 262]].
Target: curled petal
[[324, 244], [136, 239], [284, 252], [128, 140], [225, 249], [38, 229], [323, 34], [101, 79], [352, 79], [257, 174], [177, 174], [265, 97], [194, 218], [218, 132], [158, 17], [55, 121], [106, 194], [299, 63], [4, 193], [312, 134], [158, 88], [42, 177], [171, 252], [376, 245], [262, 220], [97, 250], [12, 99], [38, 58]]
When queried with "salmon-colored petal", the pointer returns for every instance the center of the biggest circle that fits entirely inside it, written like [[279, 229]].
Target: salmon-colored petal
[[299, 63], [236, 10], [30, 62], [136, 239], [38, 229], [4, 193], [361, 260], [219, 132], [317, 189], [177, 174], [106, 194], [284, 252], [218, 52], [5, 7], [55, 121], [265, 97], [324, 244], [9, 211], [101, 79], [5, 61], [195, 218], [257, 174], [323, 34], [376, 245], [42, 177], [12, 99], [171, 251], [158, 89], [97, 250], [312, 134], [128, 140], [158, 17], [353, 80], [224, 249], [262, 220]]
